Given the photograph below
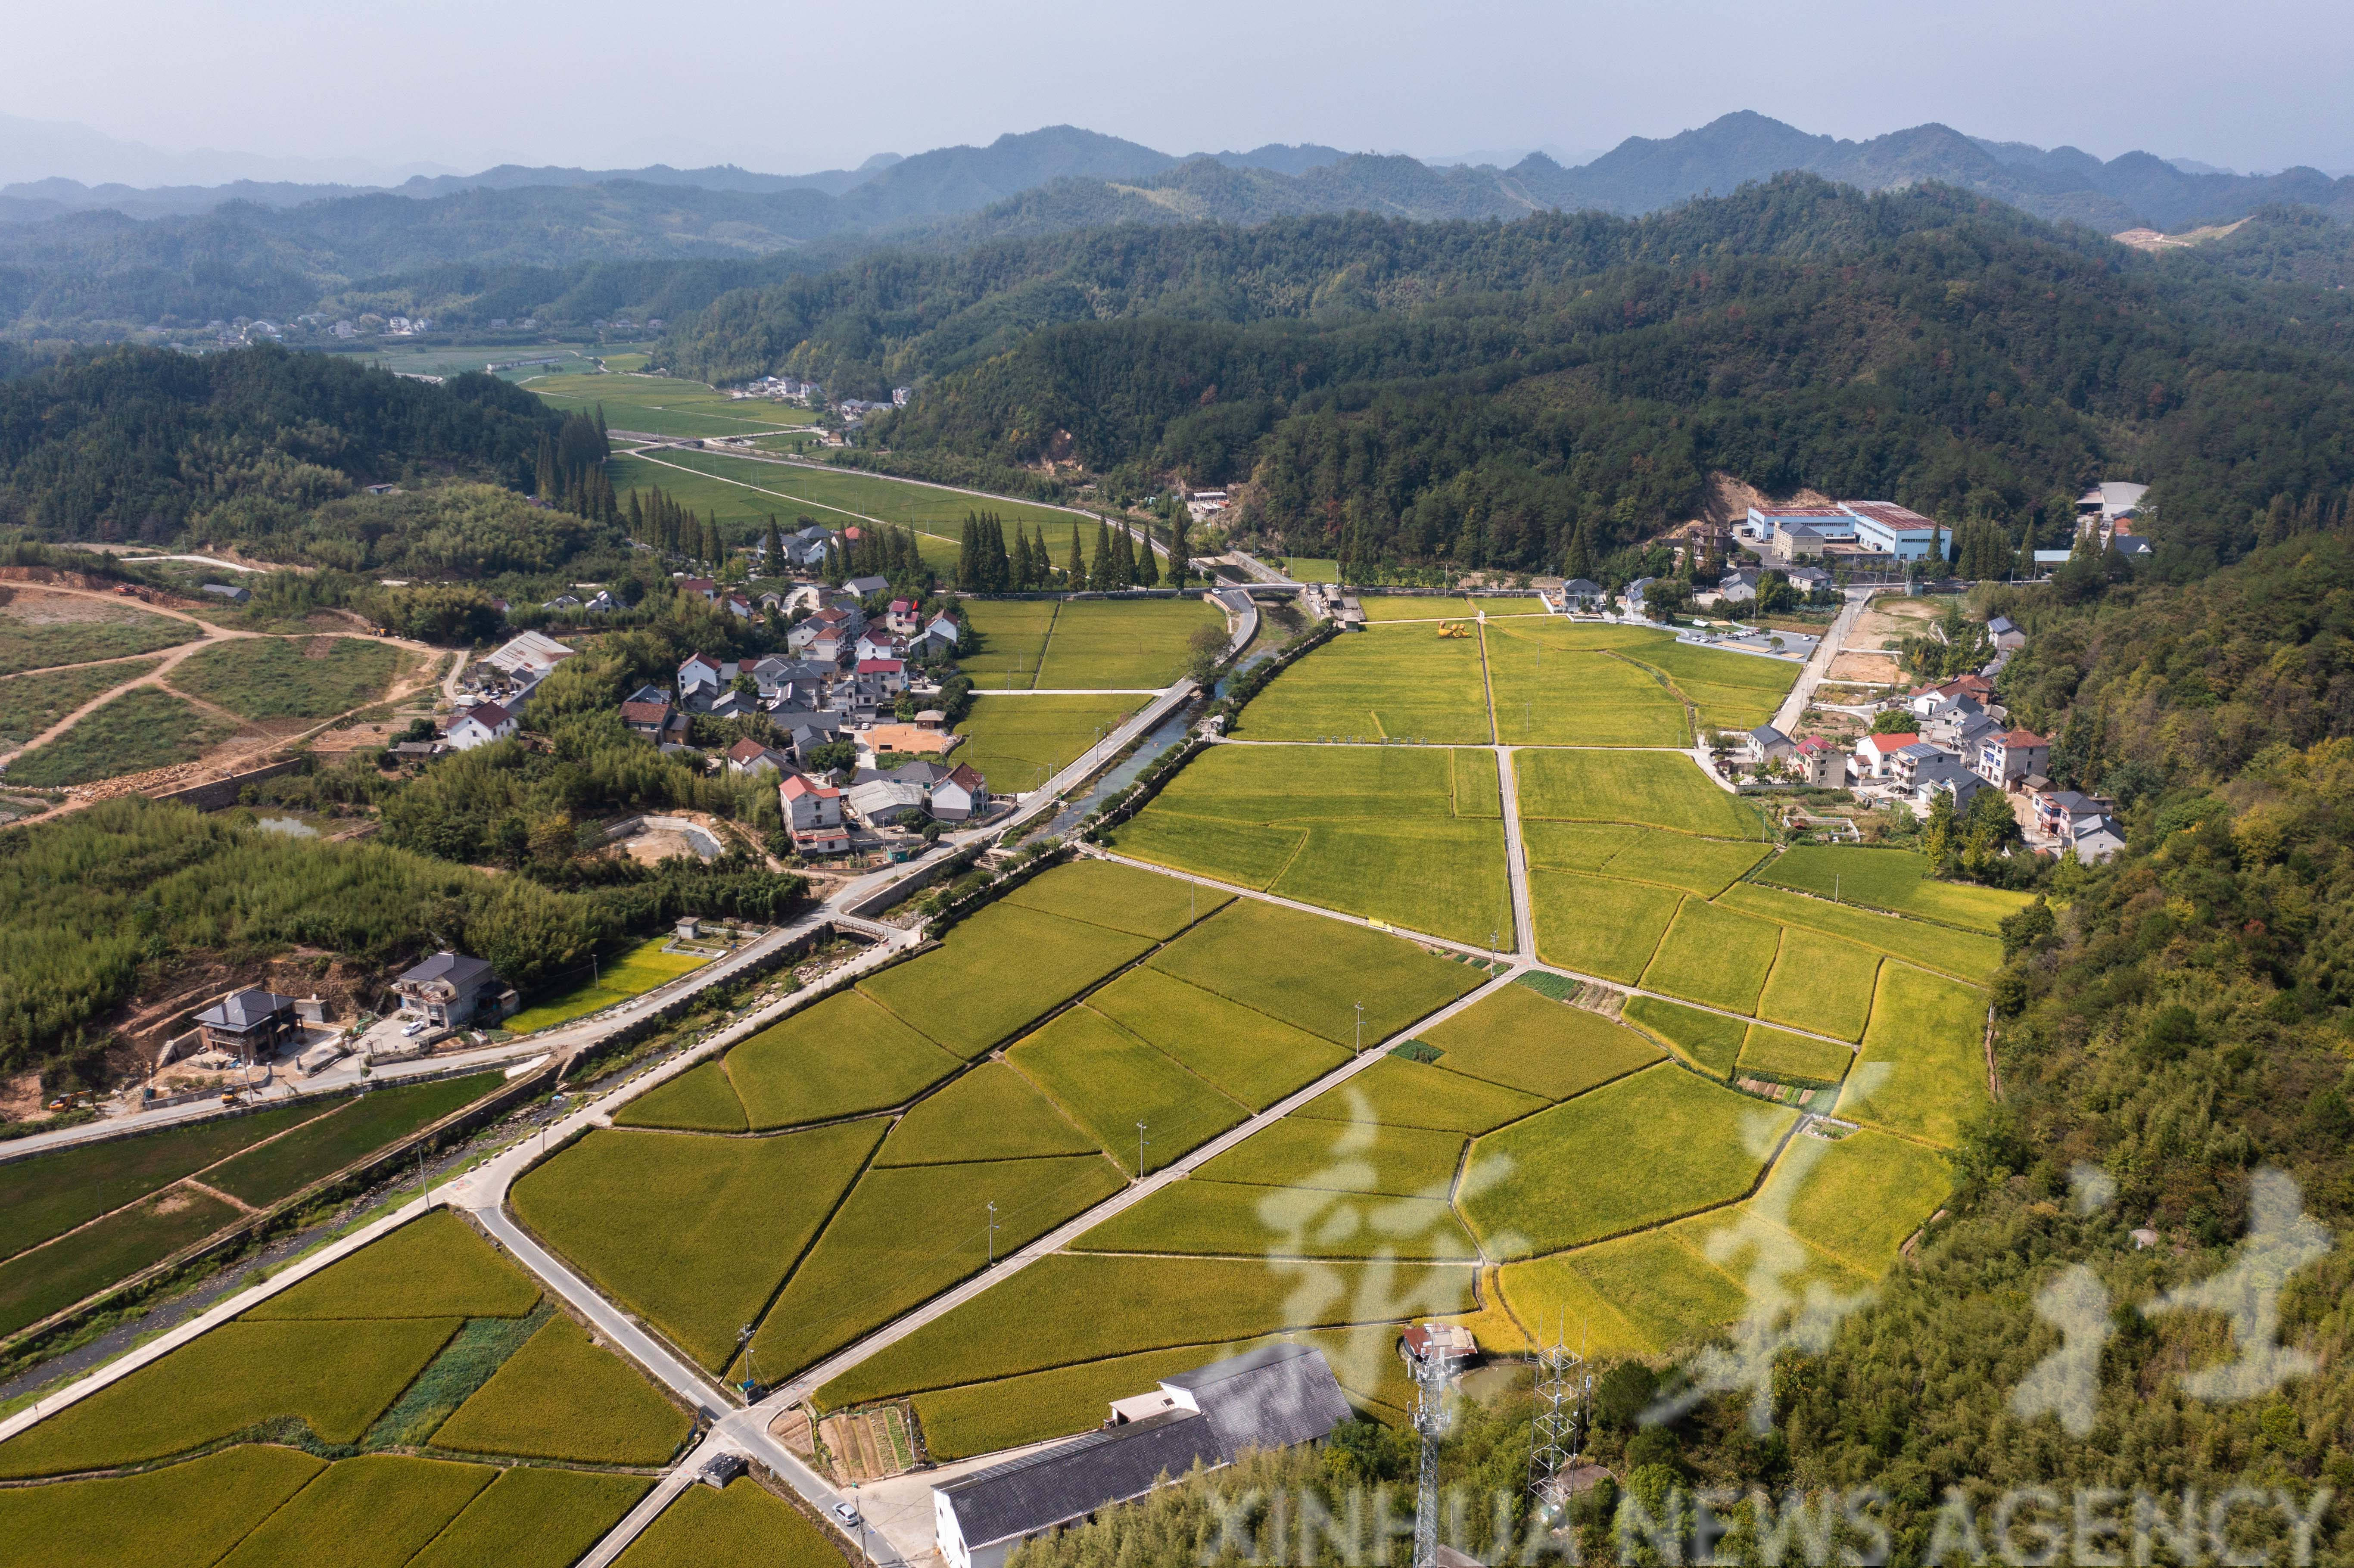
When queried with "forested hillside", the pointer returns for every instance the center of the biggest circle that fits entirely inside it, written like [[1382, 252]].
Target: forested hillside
[[135, 443], [1568, 376]]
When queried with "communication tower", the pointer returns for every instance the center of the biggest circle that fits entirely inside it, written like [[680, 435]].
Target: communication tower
[[1564, 1390]]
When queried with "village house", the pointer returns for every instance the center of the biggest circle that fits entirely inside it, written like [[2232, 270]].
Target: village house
[[646, 711], [452, 990], [960, 797], [813, 815], [249, 1025], [1820, 764], [1764, 744], [880, 802], [1874, 753], [2005, 634], [903, 616], [704, 588], [876, 644], [479, 725], [749, 756], [891, 674], [2011, 756], [867, 587], [1581, 595]]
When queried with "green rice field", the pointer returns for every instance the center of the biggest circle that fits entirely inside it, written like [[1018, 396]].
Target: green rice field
[[1923, 1068], [1526, 1041], [1895, 880], [1133, 645], [1793, 1058], [840, 1056], [700, 1099], [1966, 954], [1219, 1219], [1016, 744], [1549, 692], [1705, 866], [1328, 968], [1713, 956], [743, 1526], [1395, 1092], [1821, 984], [663, 405], [357, 1127], [1343, 1156], [1398, 682], [534, 1516], [1120, 896], [1008, 641], [1859, 1198], [1106, 1081], [1598, 926], [51, 1278], [1376, 832], [629, 973], [1649, 788], [1709, 1041], [990, 1113], [561, 1397], [997, 973], [1250, 1056]]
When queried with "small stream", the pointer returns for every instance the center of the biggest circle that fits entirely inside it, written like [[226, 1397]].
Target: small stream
[[1164, 736]]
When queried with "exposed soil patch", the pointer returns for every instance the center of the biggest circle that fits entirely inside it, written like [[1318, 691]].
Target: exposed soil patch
[[1866, 669]]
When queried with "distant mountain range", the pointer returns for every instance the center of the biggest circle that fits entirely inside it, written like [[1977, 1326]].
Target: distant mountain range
[[72, 256]]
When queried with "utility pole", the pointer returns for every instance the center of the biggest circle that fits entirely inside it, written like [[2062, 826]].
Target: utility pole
[[743, 1348], [1360, 1028], [1141, 1141], [992, 1234]]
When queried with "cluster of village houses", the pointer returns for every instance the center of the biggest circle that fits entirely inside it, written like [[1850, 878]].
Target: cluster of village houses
[[843, 677]]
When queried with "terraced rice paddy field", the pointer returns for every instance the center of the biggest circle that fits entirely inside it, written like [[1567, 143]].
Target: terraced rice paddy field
[[871, 1131], [1410, 835], [75, 1221], [427, 1340], [1084, 644]]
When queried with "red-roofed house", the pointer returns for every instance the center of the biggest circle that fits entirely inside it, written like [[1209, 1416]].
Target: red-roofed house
[[1872, 752], [479, 725], [902, 615], [645, 718], [1820, 763], [704, 585], [892, 671], [2008, 756], [813, 814], [749, 756], [961, 795], [737, 606]]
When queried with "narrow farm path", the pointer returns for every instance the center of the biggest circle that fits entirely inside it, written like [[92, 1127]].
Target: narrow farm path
[[1516, 858], [1819, 663]]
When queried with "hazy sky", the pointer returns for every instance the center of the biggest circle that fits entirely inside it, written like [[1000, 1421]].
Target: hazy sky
[[789, 86]]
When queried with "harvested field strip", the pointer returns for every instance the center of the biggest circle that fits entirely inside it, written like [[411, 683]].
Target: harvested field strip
[[1599, 925], [358, 1128], [693, 1233], [1524, 1041], [991, 1113], [999, 972], [54, 1276], [1646, 1148], [335, 1377], [1216, 1218], [1120, 896], [473, 1353], [904, 1236], [842, 1056], [534, 1516], [1709, 1041], [434, 1267], [1713, 956], [1965, 954], [1069, 1308], [190, 1513], [562, 1398], [1106, 1081]]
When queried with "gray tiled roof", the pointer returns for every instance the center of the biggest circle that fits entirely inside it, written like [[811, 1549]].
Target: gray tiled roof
[[458, 970], [1073, 1479], [240, 1011], [1268, 1398]]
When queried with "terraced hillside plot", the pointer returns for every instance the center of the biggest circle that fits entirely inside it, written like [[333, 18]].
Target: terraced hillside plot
[[49, 1194], [1896, 880], [1009, 638], [1018, 743], [1372, 833], [1599, 925], [693, 1234], [357, 1127], [1132, 644], [1821, 984], [740, 1527], [1120, 896], [375, 1511], [999, 972], [1857, 1199], [335, 1377], [1218, 1219], [1790, 1058], [1108, 1081], [190, 1513], [560, 1397], [1252, 1057], [534, 1516], [145, 727], [1526, 1041], [39, 630], [1635, 1152], [53, 1277], [907, 1233], [1554, 695], [1923, 1068], [434, 1267], [1709, 1041], [1713, 956], [1966, 954], [1326, 968], [31, 703], [632, 973], [1395, 1092], [1071, 1307], [1400, 682], [1342, 1156], [1705, 866], [842, 1056], [1652, 789], [991, 1113], [289, 677]]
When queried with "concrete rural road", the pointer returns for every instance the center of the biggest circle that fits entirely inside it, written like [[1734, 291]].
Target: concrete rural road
[[1819, 663]]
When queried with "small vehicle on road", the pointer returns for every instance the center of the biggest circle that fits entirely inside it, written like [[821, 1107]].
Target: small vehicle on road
[[415, 1029], [848, 1515]]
